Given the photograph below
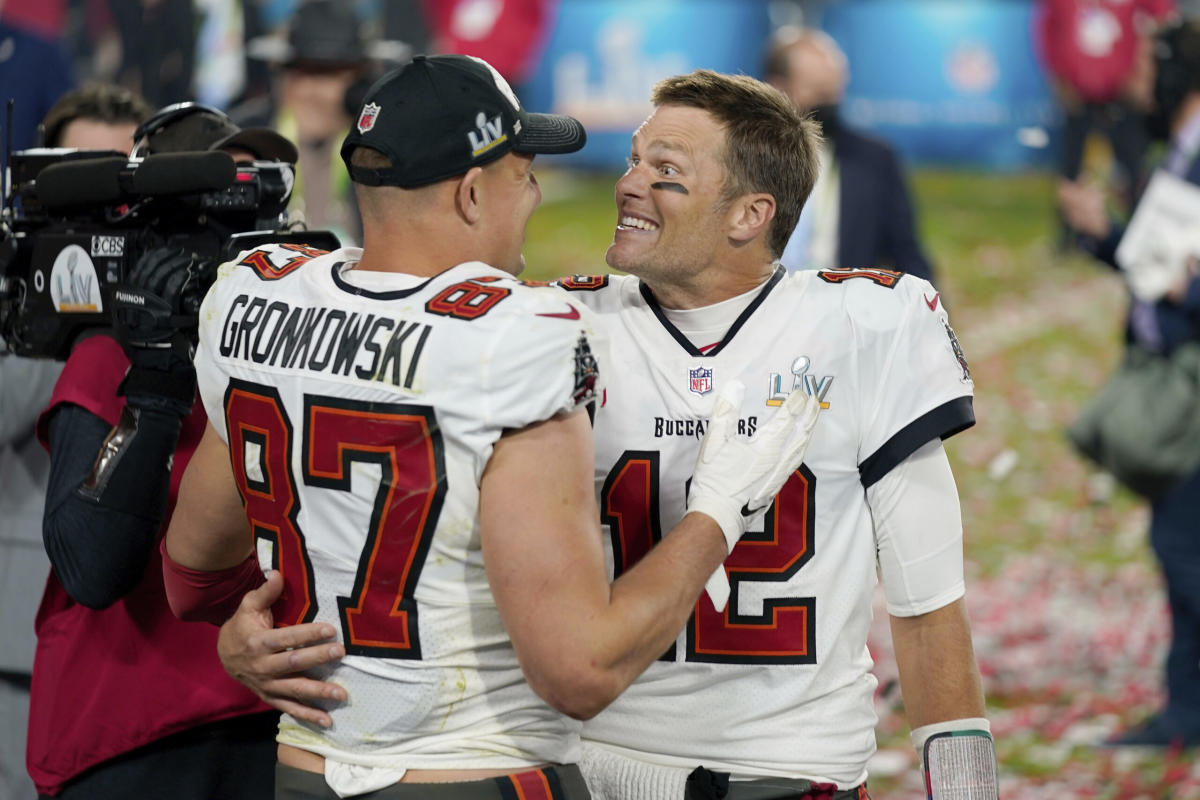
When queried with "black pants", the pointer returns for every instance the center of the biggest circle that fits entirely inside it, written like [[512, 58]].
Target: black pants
[[1175, 537], [550, 783], [1125, 130], [705, 784], [233, 759]]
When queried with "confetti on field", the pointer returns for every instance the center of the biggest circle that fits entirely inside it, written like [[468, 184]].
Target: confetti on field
[[1068, 654], [1067, 607]]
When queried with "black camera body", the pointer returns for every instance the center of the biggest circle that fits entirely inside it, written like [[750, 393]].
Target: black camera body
[[76, 222]]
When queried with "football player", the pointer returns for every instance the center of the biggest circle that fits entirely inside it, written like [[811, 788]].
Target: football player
[[781, 677], [382, 417], [769, 696]]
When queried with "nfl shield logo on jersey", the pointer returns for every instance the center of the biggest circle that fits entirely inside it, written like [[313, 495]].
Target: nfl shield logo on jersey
[[366, 120], [700, 380]]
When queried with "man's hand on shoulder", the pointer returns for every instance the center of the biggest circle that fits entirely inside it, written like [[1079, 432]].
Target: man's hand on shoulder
[[271, 662]]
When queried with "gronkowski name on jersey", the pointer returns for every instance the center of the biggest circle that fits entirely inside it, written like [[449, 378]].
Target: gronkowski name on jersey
[[360, 409]]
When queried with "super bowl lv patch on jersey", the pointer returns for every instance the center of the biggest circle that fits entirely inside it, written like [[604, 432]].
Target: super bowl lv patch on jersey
[[586, 372]]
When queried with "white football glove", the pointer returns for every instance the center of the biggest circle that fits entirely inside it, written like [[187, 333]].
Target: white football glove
[[736, 479]]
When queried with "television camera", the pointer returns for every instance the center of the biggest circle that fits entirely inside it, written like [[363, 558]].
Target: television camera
[[77, 221]]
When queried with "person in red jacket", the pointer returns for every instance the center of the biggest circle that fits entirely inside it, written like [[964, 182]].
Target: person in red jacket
[[508, 35], [1094, 51], [126, 700]]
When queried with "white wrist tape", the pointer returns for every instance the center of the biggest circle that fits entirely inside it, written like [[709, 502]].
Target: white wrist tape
[[958, 758]]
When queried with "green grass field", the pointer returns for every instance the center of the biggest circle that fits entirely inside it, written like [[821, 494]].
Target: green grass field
[[1065, 600]]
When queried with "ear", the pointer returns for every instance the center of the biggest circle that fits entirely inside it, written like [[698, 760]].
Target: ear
[[468, 196], [750, 216]]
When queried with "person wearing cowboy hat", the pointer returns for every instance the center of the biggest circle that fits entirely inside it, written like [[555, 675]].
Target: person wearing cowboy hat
[[324, 57]]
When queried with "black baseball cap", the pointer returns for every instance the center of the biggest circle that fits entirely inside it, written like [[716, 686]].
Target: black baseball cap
[[188, 127], [439, 116]]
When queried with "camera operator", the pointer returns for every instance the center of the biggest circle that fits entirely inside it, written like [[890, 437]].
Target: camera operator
[[127, 701], [96, 116]]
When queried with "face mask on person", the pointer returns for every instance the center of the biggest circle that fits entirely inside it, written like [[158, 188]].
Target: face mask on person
[[829, 119]]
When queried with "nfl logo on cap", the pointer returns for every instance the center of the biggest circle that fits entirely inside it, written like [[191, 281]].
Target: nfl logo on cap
[[700, 380], [366, 120]]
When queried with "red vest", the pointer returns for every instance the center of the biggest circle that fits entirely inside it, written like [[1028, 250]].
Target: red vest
[[1092, 45], [508, 35], [106, 682]]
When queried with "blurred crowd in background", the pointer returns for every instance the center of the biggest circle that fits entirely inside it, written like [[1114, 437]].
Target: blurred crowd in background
[[239, 55], [1000, 85], [992, 84]]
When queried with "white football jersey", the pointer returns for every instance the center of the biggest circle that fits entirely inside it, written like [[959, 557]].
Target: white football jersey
[[779, 684], [360, 409]]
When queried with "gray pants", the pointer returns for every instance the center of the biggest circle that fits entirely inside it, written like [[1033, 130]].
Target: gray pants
[[15, 783], [560, 783]]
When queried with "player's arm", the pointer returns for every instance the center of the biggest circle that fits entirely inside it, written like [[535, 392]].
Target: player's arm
[[272, 661], [580, 640], [208, 559], [943, 700], [918, 524], [939, 678]]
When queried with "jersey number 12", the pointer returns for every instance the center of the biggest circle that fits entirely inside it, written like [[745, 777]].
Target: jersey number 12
[[784, 632]]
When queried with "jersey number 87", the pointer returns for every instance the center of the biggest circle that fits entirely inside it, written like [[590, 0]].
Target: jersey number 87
[[379, 617]]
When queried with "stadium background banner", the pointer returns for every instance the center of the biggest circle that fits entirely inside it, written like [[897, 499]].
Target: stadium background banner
[[603, 56], [948, 82]]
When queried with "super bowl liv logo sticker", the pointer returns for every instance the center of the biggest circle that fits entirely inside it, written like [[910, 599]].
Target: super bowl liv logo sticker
[[817, 387], [487, 134], [74, 287]]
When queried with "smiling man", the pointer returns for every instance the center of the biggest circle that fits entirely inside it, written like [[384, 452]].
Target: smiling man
[[375, 438], [769, 696], [781, 678]]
